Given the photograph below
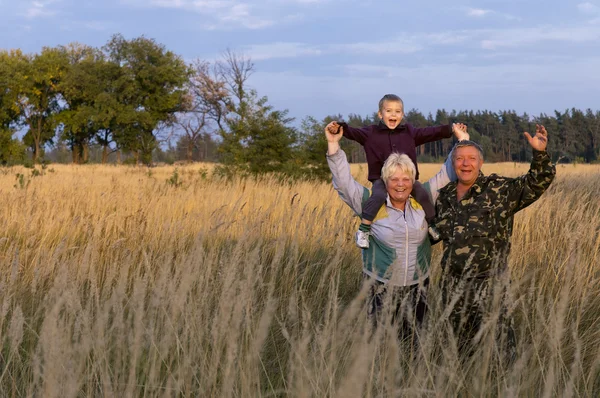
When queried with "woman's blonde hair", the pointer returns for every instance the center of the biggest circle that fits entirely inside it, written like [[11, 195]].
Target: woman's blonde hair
[[398, 162]]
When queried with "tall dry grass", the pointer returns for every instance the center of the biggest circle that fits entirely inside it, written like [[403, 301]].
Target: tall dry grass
[[128, 282]]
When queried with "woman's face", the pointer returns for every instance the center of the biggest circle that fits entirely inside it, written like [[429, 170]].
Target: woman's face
[[399, 186]]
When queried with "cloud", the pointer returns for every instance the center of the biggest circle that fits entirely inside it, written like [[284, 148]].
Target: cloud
[[198, 5], [477, 12], [232, 14], [279, 3], [405, 44], [480, 13], [39, 9], [527, 36], [228, 14], [399, 46], [308, 2], [491, 40], [98, 25], [241, 14], [446, 38], [460, 43], [588, 8], [280, 50]]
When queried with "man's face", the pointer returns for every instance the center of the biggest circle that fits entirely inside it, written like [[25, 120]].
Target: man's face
[[399, 186], [467, 163], [391, 114]]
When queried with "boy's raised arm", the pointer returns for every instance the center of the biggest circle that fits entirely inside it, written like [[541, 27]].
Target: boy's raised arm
[[355, 134], [424, 135]]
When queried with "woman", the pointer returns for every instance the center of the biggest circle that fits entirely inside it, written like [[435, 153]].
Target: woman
[[399, 252]]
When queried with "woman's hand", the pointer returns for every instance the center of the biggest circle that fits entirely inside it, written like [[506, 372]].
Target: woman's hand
[[334, 132]]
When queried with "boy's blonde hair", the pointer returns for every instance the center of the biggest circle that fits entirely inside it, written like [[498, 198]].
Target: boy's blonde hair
[[390, 97]]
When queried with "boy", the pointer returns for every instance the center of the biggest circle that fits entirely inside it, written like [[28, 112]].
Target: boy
[[379, 141]]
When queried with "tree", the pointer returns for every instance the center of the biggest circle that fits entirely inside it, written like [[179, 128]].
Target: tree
[[80, 89], [39, 99], [235, 70], [196, 141], [151, 89], [205, 148], [203, 104], [255, 138], [593, 133], [269, 141], [11, 150], [313, 147], [210, 96], [9, 111], [259, 141]]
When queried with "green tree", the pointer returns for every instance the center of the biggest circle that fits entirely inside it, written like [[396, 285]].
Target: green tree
[[39, 98], [150, 88], [269, 139], [80, 88], [313, 147], [11, 150], [259, 140], [593, 134], [9, 111], [255, 138]]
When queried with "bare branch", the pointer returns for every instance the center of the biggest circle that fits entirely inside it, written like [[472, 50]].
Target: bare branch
[[211, 96], [236, 69]]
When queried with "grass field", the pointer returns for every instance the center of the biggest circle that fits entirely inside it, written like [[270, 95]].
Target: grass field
[[124, 281]]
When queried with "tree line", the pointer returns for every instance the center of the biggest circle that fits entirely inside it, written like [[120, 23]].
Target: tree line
[[130, 100]]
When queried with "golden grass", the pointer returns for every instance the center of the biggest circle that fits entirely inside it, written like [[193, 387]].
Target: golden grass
[[116, 282]]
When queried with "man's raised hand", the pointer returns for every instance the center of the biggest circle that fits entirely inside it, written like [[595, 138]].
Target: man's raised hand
[[539, 140]]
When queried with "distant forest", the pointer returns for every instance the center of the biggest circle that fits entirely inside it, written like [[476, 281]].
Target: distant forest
[[134, 101]]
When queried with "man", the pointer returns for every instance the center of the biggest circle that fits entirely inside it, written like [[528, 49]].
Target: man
[[475, 222]]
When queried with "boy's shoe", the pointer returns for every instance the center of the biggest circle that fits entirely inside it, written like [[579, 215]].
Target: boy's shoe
[[362, 239], [433, 233]]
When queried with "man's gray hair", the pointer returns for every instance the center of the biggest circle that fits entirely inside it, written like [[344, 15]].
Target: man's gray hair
[[398, 162], [464, 143], [390, 97]]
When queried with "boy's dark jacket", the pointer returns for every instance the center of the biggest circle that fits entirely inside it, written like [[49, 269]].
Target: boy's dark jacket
[[379, 142]]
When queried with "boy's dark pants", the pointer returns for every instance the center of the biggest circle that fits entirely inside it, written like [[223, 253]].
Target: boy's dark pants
[[379, 194]]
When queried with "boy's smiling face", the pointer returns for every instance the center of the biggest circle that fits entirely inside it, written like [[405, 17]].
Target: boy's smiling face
[[391, 114]]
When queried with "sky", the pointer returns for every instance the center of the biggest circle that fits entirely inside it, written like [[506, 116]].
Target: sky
[[325, 57]]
